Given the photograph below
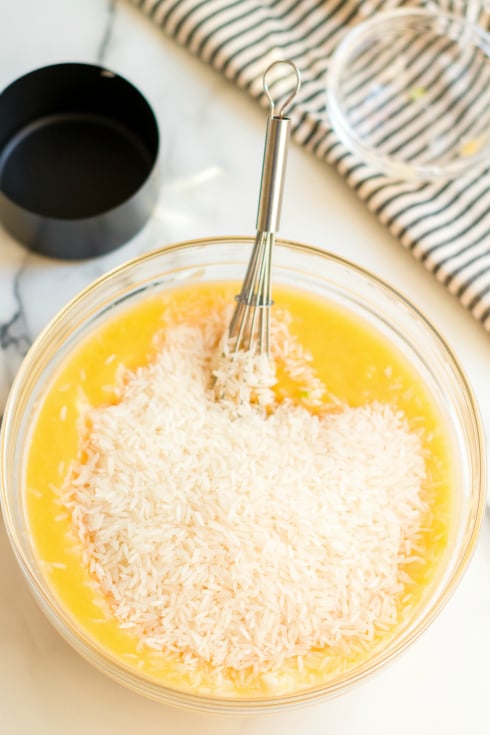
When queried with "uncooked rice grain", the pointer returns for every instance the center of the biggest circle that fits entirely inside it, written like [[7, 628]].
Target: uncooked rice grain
[[230, 530]]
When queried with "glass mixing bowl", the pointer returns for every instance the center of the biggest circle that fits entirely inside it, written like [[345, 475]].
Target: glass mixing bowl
[[409, 93], [297, 266]]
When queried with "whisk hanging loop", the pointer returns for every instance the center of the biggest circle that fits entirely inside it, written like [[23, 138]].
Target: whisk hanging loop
[[290, 97]]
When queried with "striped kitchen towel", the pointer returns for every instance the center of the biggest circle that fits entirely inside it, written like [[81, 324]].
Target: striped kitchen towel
[[445, 224]]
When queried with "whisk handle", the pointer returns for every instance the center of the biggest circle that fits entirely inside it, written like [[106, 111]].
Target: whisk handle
[[273, 172]]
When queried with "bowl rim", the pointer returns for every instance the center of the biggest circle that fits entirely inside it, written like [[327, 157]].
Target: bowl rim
[[390, 165], [111, 665]]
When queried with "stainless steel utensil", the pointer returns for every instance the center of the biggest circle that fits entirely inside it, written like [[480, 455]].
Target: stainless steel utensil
[[250, 324]]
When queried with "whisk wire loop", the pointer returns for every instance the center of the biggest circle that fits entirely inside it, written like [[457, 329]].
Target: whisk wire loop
[[250, 324]]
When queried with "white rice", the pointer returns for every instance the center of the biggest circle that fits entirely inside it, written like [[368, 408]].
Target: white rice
[[238, 533]]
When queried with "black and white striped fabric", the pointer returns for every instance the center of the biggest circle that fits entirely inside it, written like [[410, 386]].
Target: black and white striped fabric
[[446, 224]]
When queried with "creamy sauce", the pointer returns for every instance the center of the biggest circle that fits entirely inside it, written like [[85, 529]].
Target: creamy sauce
[[355, 363]]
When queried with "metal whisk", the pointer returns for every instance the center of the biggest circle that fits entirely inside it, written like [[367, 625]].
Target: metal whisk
[[250, 324]]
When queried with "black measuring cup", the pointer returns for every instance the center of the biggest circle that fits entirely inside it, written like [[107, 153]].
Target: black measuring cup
[[78, 160]]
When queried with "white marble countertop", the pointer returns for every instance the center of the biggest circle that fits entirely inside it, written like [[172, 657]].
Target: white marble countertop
[[212, 148]]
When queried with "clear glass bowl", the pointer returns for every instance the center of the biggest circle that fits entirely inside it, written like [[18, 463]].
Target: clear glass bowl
[[409, 93], [298, 266]]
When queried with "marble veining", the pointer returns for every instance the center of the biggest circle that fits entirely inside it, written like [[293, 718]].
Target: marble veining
[[101, 54], [15, 336]]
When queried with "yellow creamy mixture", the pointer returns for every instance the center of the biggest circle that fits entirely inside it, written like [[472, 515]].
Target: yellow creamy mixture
[[355, 363]]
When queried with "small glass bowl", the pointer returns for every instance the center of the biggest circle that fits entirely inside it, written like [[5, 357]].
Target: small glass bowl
[[296, 266], [409, 94]]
